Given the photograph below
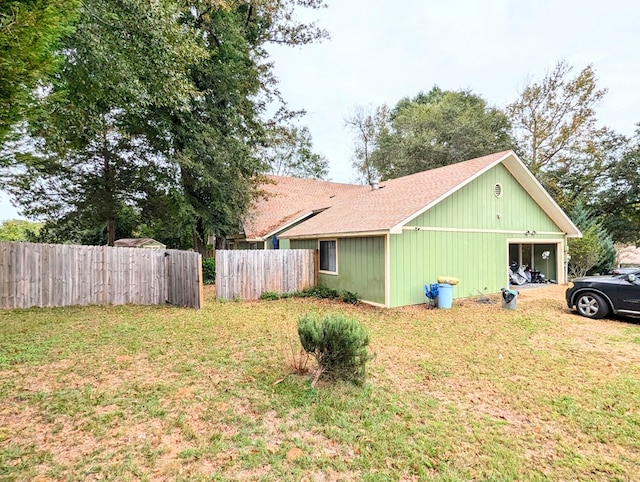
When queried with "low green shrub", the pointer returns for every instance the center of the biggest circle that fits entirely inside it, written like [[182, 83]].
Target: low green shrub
[[269, 296], [208, 271], [339, 345], [349, 297], [319, 292]]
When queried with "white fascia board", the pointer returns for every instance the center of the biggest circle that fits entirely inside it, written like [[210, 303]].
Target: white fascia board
[[290, 223], [397, 229], [353, 234], [530, 184], [527, 180]]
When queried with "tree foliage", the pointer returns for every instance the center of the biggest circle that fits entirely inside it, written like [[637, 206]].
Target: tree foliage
[[290, 153], [556, 129], [367, 125], [617, 202], [159, 104], [595, 251], [19, 230], [437, 129], [556, 117], [217, 143], [88, 158], [29, 34]]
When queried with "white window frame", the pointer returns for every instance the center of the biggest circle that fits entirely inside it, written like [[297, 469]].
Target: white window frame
[[335, 240]]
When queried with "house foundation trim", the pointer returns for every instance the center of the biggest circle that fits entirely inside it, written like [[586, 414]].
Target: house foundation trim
[[373, 303], [488, 231]]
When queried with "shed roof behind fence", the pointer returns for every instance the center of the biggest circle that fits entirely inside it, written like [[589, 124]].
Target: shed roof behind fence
[[138, 243]]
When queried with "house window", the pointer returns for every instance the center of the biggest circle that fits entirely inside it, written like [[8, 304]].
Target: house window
[[328, 256]]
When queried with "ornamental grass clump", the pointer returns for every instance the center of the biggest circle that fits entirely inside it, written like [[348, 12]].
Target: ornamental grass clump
[[339, 345]]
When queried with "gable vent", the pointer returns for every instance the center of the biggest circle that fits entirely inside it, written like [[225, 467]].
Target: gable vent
[[497, 190]]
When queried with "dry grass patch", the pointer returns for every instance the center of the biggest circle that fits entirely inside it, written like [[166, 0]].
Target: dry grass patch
[[471, 393]]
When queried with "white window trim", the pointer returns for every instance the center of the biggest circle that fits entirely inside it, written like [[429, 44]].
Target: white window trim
[[334, 273]]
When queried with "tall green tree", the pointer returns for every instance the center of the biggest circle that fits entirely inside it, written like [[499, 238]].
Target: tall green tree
[[29, 37], [218, 141], [90, 154], [160, 104], [439, 128], [617, 202]]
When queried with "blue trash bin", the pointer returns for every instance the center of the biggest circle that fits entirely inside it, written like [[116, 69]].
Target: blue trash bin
[[445, 295]]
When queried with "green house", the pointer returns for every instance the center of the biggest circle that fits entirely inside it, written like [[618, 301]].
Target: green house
[[385, 242]]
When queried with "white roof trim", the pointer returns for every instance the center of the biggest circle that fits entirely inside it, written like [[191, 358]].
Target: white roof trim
[[397, 229], [539, 194], [350, 234], [526, 179], [286, 225]]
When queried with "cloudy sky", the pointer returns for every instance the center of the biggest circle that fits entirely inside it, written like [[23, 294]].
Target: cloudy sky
[[381, 51]]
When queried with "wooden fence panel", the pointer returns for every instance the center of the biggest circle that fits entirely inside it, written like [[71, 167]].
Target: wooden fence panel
[[62, 275], [184, 278], [246, 274]]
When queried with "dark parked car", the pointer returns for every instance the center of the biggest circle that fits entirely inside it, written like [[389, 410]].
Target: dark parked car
[[597, 296], [621, 270]]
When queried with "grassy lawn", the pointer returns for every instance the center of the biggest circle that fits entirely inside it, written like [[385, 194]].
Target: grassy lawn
[[471, 393]]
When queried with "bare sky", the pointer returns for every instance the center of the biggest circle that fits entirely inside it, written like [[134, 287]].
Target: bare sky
[[381, 51]]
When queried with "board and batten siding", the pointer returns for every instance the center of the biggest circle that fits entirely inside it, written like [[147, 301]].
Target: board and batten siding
[[303, 244], [478, 259], [476, 207], [360, 262]]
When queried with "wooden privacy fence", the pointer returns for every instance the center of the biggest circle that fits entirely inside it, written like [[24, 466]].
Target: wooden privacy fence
[[246, 274], [63, 275]]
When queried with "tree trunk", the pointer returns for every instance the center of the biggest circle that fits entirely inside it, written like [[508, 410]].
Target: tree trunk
[[111, 232], [220, 242], [200, 238]]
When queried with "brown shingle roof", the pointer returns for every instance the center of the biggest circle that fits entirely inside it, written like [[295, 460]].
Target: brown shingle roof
[[289, 199], [394, 202], [340, 209]]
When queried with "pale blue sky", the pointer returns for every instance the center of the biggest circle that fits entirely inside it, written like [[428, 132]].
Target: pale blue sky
[[381, 51]]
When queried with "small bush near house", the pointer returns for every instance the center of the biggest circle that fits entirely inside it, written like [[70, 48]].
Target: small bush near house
[[269, 296], [339, 345], [208, 271], [349, 297], [319, 292]]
